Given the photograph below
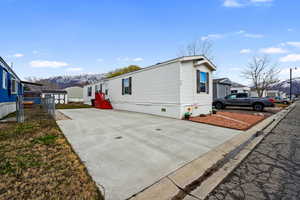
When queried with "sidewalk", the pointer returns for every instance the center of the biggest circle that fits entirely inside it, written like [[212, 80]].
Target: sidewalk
[[272, 169]]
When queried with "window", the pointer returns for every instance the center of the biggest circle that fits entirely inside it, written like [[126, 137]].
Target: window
[[242, 95], [101, 88], [14, 86], [234, 91], [4, 79], [233, 96], [96, 88], [202, 82], [126, 86], [89, 91]]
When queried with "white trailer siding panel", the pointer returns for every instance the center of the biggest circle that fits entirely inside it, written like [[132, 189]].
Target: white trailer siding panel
[[154, 91], [199, 103]]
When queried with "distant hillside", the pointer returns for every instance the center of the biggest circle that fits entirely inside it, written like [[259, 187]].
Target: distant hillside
[[285, 86], [61, 82]]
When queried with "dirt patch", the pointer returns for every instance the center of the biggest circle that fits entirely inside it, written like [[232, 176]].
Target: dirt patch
[[36, 162], [239, 121], [61, 116]]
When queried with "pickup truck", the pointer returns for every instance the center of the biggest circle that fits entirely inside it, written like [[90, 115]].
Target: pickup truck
[[242, 99]]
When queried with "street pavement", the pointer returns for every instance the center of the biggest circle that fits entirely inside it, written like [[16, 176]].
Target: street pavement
[[272, 170]]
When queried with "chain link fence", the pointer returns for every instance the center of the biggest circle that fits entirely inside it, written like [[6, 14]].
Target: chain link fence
[[26, 108], [48, 104]]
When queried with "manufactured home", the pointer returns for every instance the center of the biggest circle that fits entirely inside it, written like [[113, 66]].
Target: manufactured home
[[169, 89], [11, 88], [75, 94]]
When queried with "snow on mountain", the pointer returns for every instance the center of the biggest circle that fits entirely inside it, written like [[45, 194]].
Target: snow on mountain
[[72, 80], [284, 86]]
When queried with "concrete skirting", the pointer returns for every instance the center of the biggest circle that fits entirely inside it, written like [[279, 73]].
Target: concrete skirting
[[199, 177], [7, 108]]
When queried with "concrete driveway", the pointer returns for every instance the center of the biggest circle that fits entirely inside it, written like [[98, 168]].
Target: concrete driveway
[[126, 152]]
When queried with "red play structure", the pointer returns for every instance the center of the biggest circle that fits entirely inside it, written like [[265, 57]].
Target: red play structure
[[101, 102]]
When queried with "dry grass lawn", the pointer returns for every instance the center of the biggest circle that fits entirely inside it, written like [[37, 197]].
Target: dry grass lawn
[[36, 162]]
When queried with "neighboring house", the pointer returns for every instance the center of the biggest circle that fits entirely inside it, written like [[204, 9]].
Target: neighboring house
[[11, 88], [170, 88], [75, 94], [239, 88], [61, 96], [221, 87], [268, 93]]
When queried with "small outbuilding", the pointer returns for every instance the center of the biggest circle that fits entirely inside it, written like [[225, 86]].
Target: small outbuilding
[[60, 96], [221, 87]]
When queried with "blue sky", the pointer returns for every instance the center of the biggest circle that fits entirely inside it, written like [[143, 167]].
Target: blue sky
[[62, 37]]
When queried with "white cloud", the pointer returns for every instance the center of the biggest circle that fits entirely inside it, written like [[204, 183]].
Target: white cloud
[[35, 52], [245, 51], [74, 69], [100, 60], [232, 3], [261, 1], [290, 58], [212, 36], [294, 44], [137, 59], [18, 55], [250, 35], [273, 50], [47, 64], [290, 30], [243, 3], [127, 59]]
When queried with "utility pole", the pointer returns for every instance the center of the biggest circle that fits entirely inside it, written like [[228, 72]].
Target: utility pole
[[291, 80], [291, 84]]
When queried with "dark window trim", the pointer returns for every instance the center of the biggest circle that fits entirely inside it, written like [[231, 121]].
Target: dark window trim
[[129, 89]]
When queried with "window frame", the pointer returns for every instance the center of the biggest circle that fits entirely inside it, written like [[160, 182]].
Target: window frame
[[4, 79], [13, 87], [127, 90], [89, 91], [100, 88], [200, 82]]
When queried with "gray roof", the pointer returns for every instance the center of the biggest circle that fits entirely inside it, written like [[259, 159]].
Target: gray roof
[[235, 84], [224, 81], [9, 68]]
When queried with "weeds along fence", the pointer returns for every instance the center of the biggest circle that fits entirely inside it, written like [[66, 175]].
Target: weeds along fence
[[34, 106]]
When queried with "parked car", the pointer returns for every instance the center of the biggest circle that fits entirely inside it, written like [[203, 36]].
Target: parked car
[[280, 100], [243, 99]]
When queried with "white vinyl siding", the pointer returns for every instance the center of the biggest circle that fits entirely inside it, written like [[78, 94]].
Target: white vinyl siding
[[200, 103], [154, 91]]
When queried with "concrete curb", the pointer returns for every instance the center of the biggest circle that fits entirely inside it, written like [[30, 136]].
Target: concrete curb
[[233, 162], [199, 177]]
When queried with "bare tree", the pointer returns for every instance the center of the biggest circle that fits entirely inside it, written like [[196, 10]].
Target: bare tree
[[197, 47], [262, 73]]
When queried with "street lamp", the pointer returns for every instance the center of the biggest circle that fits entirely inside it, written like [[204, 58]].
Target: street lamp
[[291, 71]]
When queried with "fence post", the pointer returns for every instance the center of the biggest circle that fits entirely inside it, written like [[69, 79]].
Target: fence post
[[20, 109]]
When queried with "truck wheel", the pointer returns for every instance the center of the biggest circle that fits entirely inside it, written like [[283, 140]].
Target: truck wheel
[[258, 107], [219, 105]]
